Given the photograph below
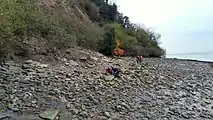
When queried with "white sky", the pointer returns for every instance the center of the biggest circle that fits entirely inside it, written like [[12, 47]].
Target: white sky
[[185, 25]]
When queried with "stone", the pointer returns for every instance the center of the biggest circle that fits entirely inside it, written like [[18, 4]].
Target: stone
[[109, 77], [69, 75], [94, 58], [75, 111], [2, 94], [3, 116], [3, 69], [13, 107], [207, 101], [185, 115], [42, 75], [73, 63], [169, 79], [65, 116], [13, 68], [125, 105], [43, 65], [84, 114], [34, 102], [118, 108], [103, 118], [107, 114], [112, 82], [49, 114], [83, 58], [28, 117], [63, 99]]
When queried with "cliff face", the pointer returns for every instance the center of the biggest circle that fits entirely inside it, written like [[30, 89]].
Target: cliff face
[[69, 7]]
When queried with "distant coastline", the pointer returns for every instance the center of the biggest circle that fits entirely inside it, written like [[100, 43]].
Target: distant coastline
[[191, 59], [195, 57]]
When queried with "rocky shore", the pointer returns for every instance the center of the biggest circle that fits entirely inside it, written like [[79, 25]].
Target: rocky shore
[[78, 89]]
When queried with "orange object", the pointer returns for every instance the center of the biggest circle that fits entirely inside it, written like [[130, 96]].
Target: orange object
[[119, 52]]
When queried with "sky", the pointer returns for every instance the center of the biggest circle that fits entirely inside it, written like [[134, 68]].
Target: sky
[[185, 25]]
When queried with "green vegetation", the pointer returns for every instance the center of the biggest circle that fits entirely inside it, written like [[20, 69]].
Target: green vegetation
[[92, 24]]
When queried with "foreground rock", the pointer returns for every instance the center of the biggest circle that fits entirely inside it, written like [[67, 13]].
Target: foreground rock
[[163, 90]]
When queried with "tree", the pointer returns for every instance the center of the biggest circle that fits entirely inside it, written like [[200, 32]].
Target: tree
[[153, 36], [109, 43]]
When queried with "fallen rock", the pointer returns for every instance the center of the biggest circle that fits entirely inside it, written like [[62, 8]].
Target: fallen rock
[[13, 107], [49, 114], [2, 94], [107, 114], [109, 77], [103, 118], [3, 69], [83, 58], [73, 63], [28, 117], [43, 65], [3, 116], [65, 116], [84, 114]]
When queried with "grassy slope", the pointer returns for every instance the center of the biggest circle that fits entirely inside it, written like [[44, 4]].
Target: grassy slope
[[28, 26], [44, 27]]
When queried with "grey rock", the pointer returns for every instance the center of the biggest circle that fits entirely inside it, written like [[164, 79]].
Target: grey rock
[[103, 118], [83, 58], [125, 105], [65, 116], [49, 114], [207, 101], [3, 69], [43, 65], [28, 117], [3, 116], [109, 77], [42, 75], [13, 107], [73, 63], [84, 114], [75, 111], [107, 114], [69, 75], [2, 94], [34, 102]]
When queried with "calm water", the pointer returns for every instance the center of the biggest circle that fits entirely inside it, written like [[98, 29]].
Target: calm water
[[204, 57]]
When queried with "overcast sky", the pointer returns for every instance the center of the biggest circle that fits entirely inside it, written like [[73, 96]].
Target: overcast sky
[[185, 25]]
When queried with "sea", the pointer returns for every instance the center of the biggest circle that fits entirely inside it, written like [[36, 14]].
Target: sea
[[203, 57]]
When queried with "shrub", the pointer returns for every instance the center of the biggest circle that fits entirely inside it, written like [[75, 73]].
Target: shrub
[[108, 44]]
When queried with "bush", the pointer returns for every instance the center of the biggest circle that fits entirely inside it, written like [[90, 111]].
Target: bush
[[64, 26], [15, 18], [108, 44], [20, 19]]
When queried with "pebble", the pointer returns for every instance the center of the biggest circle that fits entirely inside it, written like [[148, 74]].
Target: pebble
[[75, 111], [49, 114], [28, 117], [84, 114], [168, 88], [107, 114]]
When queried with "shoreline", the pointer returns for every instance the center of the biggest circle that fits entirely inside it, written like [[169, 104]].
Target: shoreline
[[193, 60]]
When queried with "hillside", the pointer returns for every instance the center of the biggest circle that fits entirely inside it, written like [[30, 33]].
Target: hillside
[[165, 89], [43, 28], [54, 54]]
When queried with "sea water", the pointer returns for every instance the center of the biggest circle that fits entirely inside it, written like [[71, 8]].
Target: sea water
[[203, 57]]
